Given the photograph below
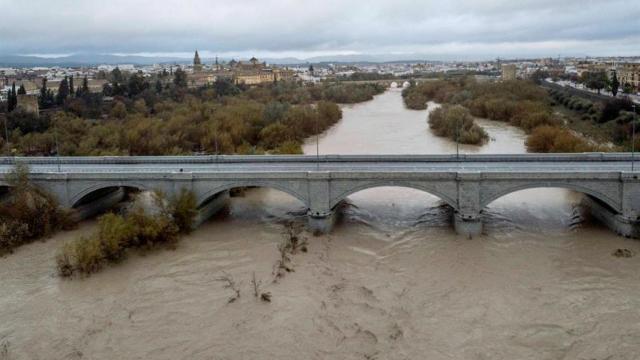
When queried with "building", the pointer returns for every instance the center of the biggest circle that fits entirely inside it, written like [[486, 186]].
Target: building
[[594, 67], [200, 77], [508, 72], [629, 73], [94, 85], [31, 87], [252, 72], [197, 64], [28, 103]]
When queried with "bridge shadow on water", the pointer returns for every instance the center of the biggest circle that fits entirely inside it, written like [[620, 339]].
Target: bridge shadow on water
[[537, 212], [398, 212], [395, 213], [262, 205]]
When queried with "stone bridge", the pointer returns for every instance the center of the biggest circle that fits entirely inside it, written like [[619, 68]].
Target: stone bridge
[[467, 183]]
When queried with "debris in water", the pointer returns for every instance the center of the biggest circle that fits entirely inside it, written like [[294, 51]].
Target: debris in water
[[623, 253], [229, 283], [265, 296], [4, 350]]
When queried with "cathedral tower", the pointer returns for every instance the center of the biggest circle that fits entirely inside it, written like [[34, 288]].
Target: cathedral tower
[[197, 64]]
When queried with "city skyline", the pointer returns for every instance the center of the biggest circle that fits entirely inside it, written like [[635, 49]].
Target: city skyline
[[464, 30]]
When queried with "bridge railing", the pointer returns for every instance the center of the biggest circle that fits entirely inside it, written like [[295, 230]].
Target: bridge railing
[[208, 159]]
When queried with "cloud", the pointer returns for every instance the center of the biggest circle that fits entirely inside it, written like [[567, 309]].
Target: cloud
[[305, 28]]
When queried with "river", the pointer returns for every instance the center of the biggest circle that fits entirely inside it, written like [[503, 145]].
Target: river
[[392, 281]]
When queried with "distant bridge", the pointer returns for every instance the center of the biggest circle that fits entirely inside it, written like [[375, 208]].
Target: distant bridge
[[467, 183], [388, 82]]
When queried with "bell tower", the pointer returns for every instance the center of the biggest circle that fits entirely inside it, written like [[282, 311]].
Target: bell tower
[[197, 64]]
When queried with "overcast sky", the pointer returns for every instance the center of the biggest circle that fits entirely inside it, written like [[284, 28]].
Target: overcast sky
[[464, 29]]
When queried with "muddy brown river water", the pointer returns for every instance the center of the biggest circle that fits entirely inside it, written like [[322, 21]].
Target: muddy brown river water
[[393, 281]]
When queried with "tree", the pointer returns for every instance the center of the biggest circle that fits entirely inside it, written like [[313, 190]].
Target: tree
[[158, 86], [137, 84], [26, 121], [116, 75], [627, 88], [117, 89], [107, 89], [538, 76], [225, 87], [596, 80], [72, 90], [63, 91], [84, 90], [46, 96], [22, 90], [615, 84], [180, 78], [119, 110], [12, 100]]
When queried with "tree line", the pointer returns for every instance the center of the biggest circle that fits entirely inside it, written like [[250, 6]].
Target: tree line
[[170, 118], [612, 116], [597, 80]]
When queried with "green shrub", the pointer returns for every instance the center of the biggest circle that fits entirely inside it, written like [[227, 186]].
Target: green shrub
[[151, 230], [455, 122], [115, 234], [184, 210], [288, 147], [118, 233], [88, 255], [29, 213], [530, 120], [553, 139]]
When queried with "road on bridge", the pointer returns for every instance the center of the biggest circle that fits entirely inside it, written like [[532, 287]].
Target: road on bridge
[[575, 163]]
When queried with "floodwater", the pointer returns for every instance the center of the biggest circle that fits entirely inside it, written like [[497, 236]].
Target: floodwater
[[393, 281]]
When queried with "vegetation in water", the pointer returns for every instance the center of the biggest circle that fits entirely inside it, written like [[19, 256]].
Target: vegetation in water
[[138, 228], [292, 242], [520, 103], [28, 213], [456, 122], [183, 209]]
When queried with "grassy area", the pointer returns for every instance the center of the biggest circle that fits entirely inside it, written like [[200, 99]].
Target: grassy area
[[600, 133]]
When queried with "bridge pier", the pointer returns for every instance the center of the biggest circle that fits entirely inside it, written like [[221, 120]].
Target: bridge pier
[[466, 218], [467, 225], [321, 222], [626, 226], [210, 208]]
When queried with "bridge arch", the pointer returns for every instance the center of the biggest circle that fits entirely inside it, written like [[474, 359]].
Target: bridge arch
[[208, 195], [449, 200], [605, 199], [79, 197]]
